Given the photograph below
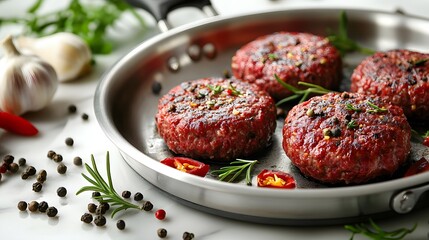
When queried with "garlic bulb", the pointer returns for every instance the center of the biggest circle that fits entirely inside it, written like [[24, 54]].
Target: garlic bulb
[[66, 52], [27, 83]]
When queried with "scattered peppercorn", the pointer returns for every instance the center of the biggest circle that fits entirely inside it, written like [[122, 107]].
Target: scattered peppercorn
[[156, 87], [13, 167], [61, 192], [41, 176], [33, 206], [37, 187], [22, 205], [30, 170], [72, 108], [0, 176], [52, 212], [8, 159], [147, 206], [51, 154], [100, 210], [3, 168], [85, 116], [22, 161], [96, 194], [61, 169], [106, 205], [162, 232], [86, 218], [138, 196], [69, 141], [188, 236], [126, 194], [120, 224], [160, 214], [24, 175], [43, 206], [57, 158], [100, 220], [92, 207], [77, 161]]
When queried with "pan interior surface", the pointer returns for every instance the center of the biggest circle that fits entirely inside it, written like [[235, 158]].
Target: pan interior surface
[[125, 105]]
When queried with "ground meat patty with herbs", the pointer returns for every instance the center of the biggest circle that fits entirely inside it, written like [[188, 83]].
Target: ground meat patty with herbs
[[346, 138], [293, 57], [216, 119], [401, 76]]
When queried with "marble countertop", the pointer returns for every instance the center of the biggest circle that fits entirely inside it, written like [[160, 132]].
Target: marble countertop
[[56, 124]]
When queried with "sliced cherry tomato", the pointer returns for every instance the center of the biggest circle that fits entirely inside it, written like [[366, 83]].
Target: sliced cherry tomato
[[420, 166], [187, 165], [426, 141], [275, 179]]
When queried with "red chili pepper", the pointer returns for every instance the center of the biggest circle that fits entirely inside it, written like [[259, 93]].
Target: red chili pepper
[[16, 124], [420, 166], [275, 179], [187, 165]]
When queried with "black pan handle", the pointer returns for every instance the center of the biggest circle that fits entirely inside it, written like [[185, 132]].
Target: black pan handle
[[159, 9]]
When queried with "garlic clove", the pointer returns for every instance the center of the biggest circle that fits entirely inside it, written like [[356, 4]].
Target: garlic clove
[[68, 54], [27, 83]]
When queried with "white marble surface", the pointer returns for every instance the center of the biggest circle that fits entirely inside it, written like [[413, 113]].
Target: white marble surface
[[56, 124]]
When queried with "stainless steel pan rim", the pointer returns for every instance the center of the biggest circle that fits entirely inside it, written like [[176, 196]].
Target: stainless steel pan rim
[[161, 176]]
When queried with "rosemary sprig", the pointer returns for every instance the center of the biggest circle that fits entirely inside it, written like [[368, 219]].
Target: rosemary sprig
[[230, 173], [343, 42], [352, 124], [215, 89], [300, 93], [419, 62], [373, 231], [352, 108], [108, 193], [89, 21], [375, 108]]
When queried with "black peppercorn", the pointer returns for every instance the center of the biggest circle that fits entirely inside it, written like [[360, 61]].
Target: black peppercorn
[[106, 205], [77, 161], [85, 116], [22, 205], [86, 218], [61, 192], [13, 167], [100, 220], [30, 170], [138, 196], [33, 206], [156, 87], [188, 236], [0, 176], [41, 176], [57, 158], [162, 233], [8, 159], [61, 169], [100, 210], [52, 212], [22, 161], [92, 207], [147, 206], [43, 206], [37, 187], [24, 175], [96, 194], [120, 224], [72, 108], [69, 141], [126, 194], [51, 154]]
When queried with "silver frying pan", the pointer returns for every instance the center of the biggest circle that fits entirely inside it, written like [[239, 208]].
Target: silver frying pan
[[127, 96]]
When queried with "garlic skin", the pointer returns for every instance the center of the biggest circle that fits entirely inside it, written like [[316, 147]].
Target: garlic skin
[[68, 54], [27, 83]]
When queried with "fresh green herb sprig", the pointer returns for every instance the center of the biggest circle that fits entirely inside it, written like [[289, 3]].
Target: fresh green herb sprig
[[108, 193], [304, 94], [419, 62], [215, 89], [352, 108], [343, 42], [352, 124], [375, 108], [89, 21], [232, 172], [375, 232]]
